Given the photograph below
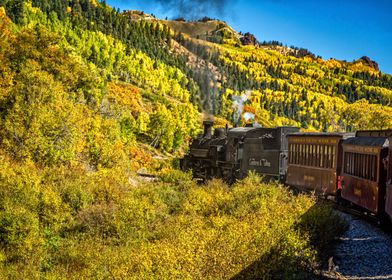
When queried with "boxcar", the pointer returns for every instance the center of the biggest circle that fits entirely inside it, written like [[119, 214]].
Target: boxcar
[[314, 161], [364, 170]]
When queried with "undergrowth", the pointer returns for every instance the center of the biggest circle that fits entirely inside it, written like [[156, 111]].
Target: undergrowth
[[61, 223]]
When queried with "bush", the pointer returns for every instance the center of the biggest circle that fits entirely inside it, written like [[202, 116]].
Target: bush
[[19, 233], [322, 225], [175, 177], [77, 224]]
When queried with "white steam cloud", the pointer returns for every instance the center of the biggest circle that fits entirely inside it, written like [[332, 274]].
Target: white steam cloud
[[248, 116], [238, 105]]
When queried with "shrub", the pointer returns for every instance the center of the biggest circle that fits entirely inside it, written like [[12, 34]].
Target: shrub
[[175, 176], [19, 232], [322, 224], [69, 223]]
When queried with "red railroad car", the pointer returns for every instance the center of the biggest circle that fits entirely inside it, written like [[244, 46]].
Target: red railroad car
[[388, 195], [315, 161], [364, 170]]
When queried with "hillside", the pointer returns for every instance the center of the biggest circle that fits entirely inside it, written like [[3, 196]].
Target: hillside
[[289, 85], [90, 95], [206, 29]]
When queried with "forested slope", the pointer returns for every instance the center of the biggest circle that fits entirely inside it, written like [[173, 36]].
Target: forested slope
[[287, 87]]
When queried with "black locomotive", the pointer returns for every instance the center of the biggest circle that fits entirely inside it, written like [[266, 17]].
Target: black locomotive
[[231, 153], [354, 168]]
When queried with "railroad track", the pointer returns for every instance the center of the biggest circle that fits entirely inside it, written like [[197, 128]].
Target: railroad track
[[145, 175], [347, 207], [352, 210], [364, 251], [381, 223]]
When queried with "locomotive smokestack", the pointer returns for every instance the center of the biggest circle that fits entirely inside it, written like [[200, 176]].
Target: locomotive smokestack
[[208, 129]]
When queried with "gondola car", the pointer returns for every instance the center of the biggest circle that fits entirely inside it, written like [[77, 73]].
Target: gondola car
[[364, 170], [315, 161]]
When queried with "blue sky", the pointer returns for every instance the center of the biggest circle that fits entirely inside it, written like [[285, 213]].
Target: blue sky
[[342, 29]]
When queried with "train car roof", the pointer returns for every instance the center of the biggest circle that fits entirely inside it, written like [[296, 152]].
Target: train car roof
[[241, 130], [323, 134], [367, 141], [257, 129], [374, 133]]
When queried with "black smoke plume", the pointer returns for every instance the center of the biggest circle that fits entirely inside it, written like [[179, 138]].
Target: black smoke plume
[[195, 9]]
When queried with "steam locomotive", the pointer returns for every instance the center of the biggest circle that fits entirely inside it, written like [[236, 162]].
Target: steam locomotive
[[354, 167], [231, 153]]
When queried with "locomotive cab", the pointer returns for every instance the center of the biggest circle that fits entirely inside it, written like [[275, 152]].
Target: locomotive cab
[[231, 153], [230, 167]]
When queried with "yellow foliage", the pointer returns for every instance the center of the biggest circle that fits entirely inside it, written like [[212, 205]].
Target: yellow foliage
[[333, 63], [125, 95], [220, 122], [139, 157]]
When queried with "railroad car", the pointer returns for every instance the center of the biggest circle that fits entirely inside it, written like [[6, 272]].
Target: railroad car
[[315, 161], [265, 151], [364, 170], [388, 195]]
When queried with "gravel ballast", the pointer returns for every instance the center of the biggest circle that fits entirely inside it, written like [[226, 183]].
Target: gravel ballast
[[363, 252]]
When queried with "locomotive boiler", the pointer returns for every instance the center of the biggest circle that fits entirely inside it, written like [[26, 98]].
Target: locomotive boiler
[[205, 153]]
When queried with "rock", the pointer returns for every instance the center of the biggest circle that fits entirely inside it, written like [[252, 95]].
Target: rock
[[248, 39], [371, 63]]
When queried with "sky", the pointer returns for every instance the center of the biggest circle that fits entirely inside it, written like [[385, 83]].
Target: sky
[[341, 29]]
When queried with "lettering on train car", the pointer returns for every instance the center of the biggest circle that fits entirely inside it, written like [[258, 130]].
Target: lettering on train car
[[362, 149], [315, 140], [267, 136], [309, 178], [357, 191], [262, 162]]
